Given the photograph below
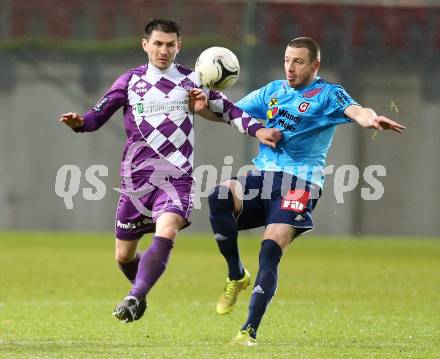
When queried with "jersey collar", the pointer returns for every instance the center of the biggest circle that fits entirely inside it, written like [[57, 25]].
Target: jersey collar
[[155, 71], [304, 88]]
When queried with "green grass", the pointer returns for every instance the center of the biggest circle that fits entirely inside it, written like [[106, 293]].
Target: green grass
[[337, 298]]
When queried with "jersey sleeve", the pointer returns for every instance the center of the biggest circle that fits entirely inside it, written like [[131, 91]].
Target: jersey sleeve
[[113, 99], [338, 100], [255, 103], [232, 114]]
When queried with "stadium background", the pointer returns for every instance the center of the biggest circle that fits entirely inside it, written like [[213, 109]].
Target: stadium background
[[57, 57]]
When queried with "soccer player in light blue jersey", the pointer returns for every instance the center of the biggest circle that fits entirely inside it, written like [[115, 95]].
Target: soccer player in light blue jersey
[[306, 109]]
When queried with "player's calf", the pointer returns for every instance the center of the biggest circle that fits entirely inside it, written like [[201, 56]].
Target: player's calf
[[225, 229]]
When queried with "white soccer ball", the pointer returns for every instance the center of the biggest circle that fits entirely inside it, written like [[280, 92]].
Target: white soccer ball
[[217, 68]]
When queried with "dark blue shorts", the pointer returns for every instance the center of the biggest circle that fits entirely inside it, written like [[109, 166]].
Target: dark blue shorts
[[277, 197]]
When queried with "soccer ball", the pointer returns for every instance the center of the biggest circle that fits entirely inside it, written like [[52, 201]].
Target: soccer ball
[[217, 68]]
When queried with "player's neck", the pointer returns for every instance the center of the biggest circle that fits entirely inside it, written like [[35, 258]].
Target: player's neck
[[307, 83], [158, 70]]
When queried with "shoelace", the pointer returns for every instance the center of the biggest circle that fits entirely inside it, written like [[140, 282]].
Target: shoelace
[[231, 289], [249, 330]]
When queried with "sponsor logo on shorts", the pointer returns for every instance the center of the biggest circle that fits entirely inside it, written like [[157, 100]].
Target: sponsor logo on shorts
[[133, 225], [295, 206], [295, 200]]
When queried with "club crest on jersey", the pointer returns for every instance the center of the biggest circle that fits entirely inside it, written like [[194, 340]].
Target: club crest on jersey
[[303, 106], [272, 113], [273, 102], [295, 200], [141, 87]]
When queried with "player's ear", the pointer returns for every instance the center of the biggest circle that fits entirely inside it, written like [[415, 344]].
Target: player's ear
[[316, 65], [144, 43], [179, 45]]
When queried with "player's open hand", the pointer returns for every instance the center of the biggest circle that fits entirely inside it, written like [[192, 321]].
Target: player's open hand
[[384, 123], [269, 136], [72, 119], [197, 100]]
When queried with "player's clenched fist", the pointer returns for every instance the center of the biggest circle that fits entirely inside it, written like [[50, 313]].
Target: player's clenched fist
[[72, 119], [197, 100], [269, 136]]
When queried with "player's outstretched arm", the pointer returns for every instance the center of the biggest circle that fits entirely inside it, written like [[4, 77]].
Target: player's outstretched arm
[[366, 117], [224, 108], [207, 114], [72, 119], [267, 136], [198, 103]]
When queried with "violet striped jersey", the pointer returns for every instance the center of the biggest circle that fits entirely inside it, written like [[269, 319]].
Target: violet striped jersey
[[157, 118]]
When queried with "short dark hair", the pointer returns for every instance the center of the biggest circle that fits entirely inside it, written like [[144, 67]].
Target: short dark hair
[[162, 24], [308, 43]]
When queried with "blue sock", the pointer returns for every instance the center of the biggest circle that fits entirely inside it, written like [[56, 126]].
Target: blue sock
[[265, 284], [224, 226]]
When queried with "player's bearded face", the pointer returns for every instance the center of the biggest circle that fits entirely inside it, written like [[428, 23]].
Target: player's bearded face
[[300, 71], [162, 48]]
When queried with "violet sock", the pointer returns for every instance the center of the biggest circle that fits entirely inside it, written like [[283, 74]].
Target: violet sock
[[130, 269], [151, 266]]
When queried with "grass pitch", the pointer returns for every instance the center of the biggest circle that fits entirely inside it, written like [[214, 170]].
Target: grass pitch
[[337, 298]]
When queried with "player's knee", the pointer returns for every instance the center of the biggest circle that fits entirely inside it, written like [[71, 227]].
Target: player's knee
[[123, 256], [125, 251], [270, 255], [167, 231], [220, 199]]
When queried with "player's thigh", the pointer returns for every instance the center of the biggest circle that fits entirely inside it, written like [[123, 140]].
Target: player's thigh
[[172, 206], [281, 233], [125, 250], [252, 211], [168, 224], [237, 190]]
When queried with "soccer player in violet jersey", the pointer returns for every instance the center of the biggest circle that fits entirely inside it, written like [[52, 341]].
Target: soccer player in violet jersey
[[306, 109], [159, 100]]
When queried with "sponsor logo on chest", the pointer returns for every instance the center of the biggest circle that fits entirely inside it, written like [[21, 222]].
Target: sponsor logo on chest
[[160, 106]]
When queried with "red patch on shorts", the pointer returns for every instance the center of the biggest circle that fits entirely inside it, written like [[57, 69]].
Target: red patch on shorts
[[295, 200]]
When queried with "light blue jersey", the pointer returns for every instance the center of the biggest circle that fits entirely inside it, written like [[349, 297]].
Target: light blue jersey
[[307, 118]]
